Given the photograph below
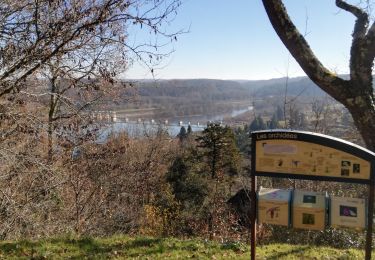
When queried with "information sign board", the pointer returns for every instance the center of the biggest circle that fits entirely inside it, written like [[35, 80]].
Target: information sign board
[[310, 156]]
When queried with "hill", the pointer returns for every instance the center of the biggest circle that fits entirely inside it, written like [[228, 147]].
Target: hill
[[212, 89], [301, 86], [166, 99]]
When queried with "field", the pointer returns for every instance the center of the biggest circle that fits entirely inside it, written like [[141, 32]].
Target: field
[[124, 247]]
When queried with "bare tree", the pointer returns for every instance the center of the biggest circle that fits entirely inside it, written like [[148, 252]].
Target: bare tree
[[78, 81], [68, 54], [324, 115], [56, 59], [34, 32], [356, 93]]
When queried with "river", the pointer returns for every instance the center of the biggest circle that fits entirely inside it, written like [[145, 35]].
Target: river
[[150, 127]]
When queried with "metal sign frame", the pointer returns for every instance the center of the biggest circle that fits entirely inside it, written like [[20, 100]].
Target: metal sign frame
[[317, 139]]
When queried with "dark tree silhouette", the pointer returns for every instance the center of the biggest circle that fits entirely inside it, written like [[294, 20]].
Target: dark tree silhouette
[[182, 135], [257, 124], [189, 130]]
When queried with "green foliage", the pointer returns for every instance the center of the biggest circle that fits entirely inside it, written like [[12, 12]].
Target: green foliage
[[279, 113], [257, 124], [274, 123], [242, 137], [190, 191], [189, 130], [188, 188], [182, 135], [217, 149]]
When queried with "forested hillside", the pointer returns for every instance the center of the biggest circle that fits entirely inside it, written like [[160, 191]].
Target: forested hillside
[[219, 90], [192, 97]]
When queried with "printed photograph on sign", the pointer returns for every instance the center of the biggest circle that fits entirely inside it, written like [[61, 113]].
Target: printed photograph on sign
[[309, 199], [356, 168], [344, 172], [345, 164], [273, 212], [347, 211], [308, 219]]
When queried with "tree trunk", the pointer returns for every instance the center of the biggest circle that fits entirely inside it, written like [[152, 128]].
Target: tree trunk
[[363, 113], [356, 94], [51, 114], [50, 142]]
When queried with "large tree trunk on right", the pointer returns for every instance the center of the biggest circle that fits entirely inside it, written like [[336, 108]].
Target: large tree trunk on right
[[362, 109], [356, 94]]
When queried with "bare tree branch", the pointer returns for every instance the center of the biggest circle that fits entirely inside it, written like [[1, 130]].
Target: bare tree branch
[[301, 51], [356, 94]]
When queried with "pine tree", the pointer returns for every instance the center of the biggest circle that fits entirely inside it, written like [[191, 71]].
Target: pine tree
[[257, 124], [187, 187], [182, 134], [274, 124], [279, 113], [254, 125], [261, 123], [242, 139], [220, 159], [189, 130], [218, 149]]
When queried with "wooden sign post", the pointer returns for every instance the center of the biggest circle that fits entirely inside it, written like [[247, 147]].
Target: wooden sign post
[[310, 156]]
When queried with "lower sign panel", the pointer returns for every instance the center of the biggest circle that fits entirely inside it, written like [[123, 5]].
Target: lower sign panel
[[348, 212]]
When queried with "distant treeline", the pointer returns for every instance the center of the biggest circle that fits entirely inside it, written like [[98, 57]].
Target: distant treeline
[[210, 96], [211, 89]]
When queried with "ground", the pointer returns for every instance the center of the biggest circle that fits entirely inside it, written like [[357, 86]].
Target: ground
[[124, 247]]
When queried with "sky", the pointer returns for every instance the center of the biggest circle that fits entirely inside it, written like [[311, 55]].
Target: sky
[[235, 40]]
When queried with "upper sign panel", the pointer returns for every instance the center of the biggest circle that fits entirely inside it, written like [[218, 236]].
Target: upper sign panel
[[286, 153]]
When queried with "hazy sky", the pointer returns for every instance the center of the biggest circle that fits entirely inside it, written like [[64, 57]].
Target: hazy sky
[[235, 40]]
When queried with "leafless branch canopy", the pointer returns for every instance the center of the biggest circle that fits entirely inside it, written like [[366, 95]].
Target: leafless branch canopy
[[35, 32]]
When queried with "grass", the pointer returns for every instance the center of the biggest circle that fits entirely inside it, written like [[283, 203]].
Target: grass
[[124, 247]]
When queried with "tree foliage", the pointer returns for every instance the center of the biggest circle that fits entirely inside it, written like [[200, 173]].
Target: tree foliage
[[257, 124], [187, 187], [218, 149], [182, 135]]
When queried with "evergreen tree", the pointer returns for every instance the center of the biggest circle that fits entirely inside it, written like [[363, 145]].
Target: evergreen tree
[[261, 123], [218, 149], [182, 134], [279, 113], [242, 139], [257, 124], [274, 123], [189, 130], [187, 187], [254, 125]]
